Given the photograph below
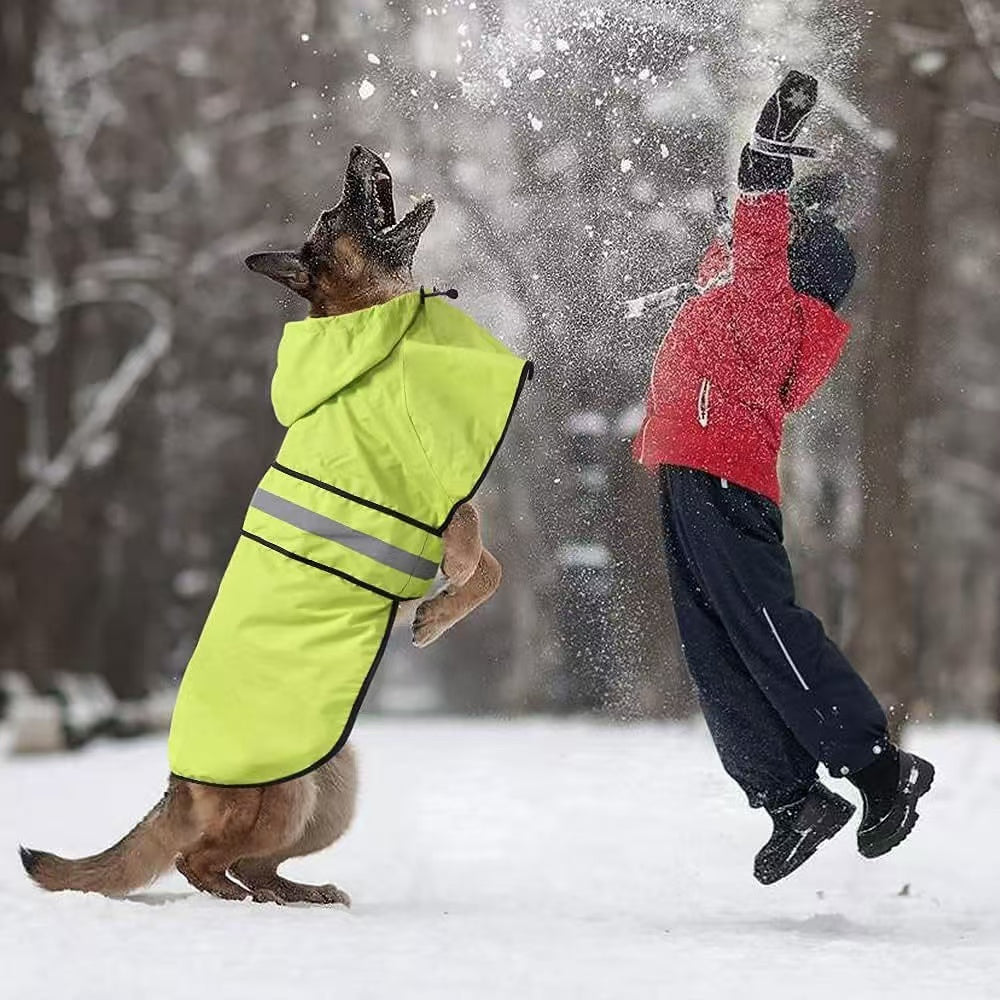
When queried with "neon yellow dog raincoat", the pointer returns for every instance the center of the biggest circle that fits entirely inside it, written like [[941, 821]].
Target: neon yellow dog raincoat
[[394, 415]]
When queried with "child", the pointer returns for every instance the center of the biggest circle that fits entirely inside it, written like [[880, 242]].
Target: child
[[778, 696]]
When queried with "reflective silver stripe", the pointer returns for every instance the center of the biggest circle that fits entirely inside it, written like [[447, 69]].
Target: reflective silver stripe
[[350, 538], [788, 657]]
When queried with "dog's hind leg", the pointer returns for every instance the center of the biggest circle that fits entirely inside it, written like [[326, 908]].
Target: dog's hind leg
[[207, 874], [434, 617], [336, 794], [260, 876], [223, 819], [233, 823]]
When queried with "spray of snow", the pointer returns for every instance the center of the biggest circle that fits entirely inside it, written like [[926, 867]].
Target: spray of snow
[[668, 299]]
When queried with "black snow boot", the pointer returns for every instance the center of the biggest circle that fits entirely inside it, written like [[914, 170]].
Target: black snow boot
[[890, 788], [799, 829]]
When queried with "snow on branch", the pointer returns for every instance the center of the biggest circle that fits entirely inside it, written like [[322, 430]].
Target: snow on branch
[[102, 59], [987, 112], [233, 246], [259, 123], [969, 475], [207, 145], [134, 368], [984, 22]]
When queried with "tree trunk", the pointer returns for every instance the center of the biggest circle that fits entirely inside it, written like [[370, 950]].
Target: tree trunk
[[905, 90], [26, 173]]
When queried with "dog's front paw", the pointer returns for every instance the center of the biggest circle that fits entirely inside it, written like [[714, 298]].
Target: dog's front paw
[[430, 621]]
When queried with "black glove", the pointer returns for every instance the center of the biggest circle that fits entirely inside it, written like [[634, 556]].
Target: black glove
[[785, 111], [765, 164], [763, 172]]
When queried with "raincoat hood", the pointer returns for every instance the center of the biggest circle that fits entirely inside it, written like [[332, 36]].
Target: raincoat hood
[[319, 357]]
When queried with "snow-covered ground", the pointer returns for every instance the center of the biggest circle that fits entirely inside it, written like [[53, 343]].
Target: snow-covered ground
[[528, 859]]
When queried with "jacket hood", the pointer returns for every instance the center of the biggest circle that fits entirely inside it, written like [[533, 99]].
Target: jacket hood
[[317, 358]]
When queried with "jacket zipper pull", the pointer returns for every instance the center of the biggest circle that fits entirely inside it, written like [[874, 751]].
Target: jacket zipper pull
[[703, 396]]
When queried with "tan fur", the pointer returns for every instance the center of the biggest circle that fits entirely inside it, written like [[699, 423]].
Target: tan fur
[[349, 281], [136, 860], [473, 574], [230, 841], [208, 832]]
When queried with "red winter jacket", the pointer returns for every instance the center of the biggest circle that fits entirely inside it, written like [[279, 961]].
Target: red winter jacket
[[739, 357]]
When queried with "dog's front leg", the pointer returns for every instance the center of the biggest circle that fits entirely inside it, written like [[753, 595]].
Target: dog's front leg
[[473, 575], [463, 547], [436, 616]]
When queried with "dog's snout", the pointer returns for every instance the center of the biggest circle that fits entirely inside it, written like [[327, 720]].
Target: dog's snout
[[363, 152], [365, 161]]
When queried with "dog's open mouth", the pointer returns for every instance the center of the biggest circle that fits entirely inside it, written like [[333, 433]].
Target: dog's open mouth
[[383, 211], [368, 203]]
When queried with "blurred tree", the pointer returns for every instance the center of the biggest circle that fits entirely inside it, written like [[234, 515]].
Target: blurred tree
[[27, 172], [957, 472], [906, 71]]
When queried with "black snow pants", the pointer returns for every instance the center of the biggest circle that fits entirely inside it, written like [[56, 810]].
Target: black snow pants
[[777, 694]]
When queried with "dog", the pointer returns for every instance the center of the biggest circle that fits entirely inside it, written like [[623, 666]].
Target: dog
[[230, 841]]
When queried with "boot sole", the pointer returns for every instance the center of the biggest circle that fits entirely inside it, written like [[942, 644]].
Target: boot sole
[[923, 785], [806, 850]]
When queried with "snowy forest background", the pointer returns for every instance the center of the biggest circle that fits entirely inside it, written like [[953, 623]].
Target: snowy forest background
[[146, 147]]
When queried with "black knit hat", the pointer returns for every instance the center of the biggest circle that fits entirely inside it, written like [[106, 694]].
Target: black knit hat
[[821, 261]]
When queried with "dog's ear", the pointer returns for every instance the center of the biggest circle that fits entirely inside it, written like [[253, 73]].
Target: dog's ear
[[283, 266]]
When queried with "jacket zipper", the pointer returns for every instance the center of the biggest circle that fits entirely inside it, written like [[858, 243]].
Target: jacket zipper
[[703, 398]]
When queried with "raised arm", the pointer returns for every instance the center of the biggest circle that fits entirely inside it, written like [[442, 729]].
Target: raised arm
[[760, 244], [760, 227]]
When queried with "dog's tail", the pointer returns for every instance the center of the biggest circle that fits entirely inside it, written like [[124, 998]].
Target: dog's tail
[[138, 858]]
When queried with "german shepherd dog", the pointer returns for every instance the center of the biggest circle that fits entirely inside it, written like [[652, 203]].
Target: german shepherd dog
[[230, 841]]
